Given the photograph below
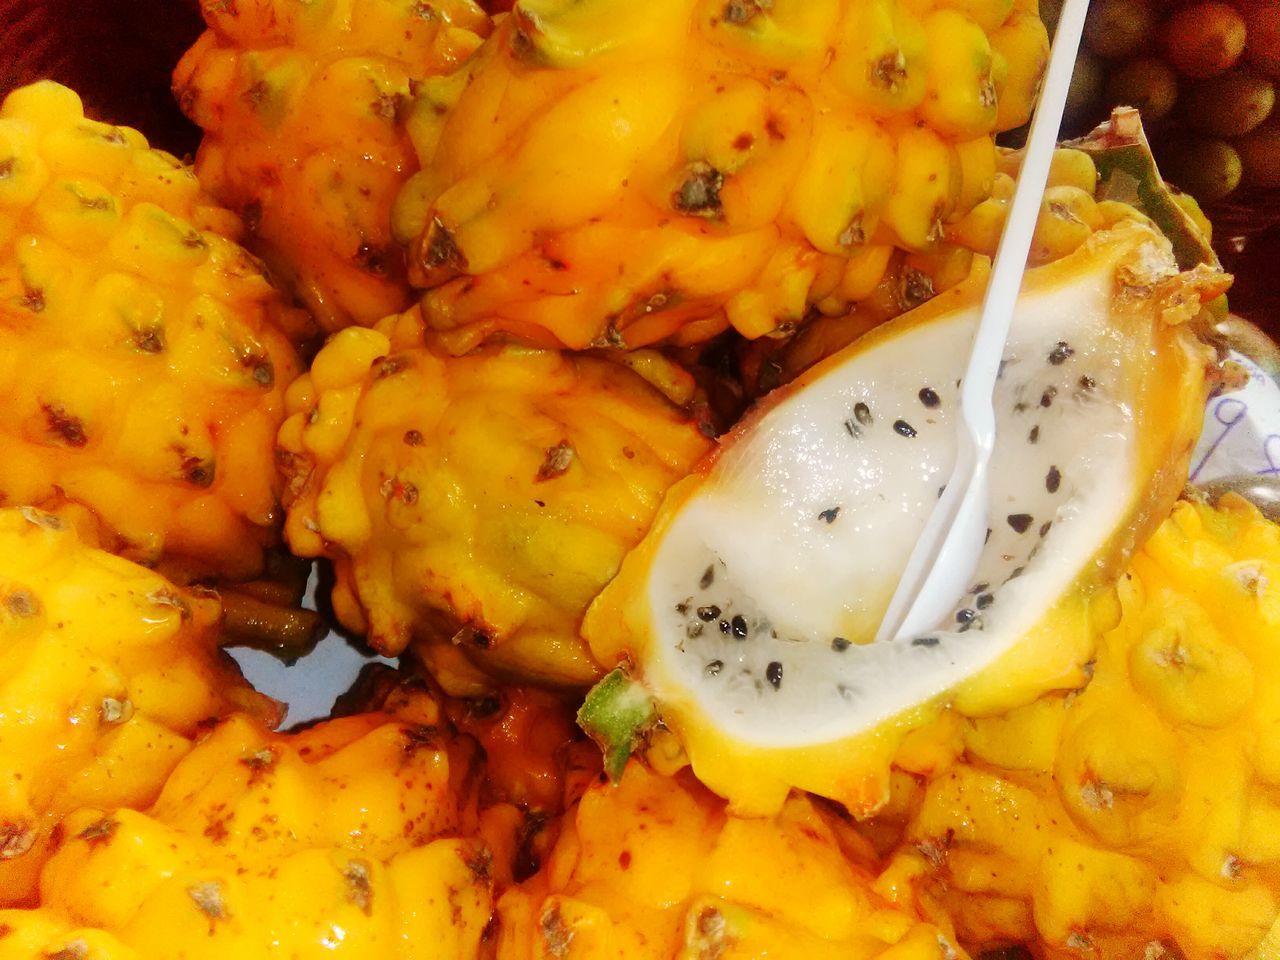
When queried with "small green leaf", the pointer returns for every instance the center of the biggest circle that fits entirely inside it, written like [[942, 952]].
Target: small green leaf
[[616, 714], [1127, 172]]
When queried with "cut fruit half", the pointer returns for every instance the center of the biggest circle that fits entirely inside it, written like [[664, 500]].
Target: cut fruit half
[[748, 611]]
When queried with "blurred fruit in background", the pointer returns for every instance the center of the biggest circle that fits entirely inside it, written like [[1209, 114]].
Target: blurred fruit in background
[[1204, 75]]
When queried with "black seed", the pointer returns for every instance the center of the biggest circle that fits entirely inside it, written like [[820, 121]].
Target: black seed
[[481, 639], [1020, 521], [413, 438], [987, 538], [739, 625], [829, 515], [1044, 527], [1053, 479], [773, 673], [862, 413], [713, 668], [707, 614], [1034, 435], [724, 626], [1059, 354], [929, 397], [1087, 383], [839, 644], [984, 600], [925, 642], [965, 615], [941, 490], [904, 429], [708, 577], [1046, 398], [852, 429], [979, 587]]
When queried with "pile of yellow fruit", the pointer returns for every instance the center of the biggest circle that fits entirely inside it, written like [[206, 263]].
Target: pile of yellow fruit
[[447, 303], [1205, 72]]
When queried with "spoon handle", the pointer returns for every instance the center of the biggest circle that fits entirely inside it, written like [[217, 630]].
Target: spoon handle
[[947, 552]]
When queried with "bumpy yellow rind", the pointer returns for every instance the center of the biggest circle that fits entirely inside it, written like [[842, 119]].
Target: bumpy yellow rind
[[143, 354], [655, 868], [303, 106], [600, 174], [1137, 815], [107, 674], [477, 504], [357, 838]]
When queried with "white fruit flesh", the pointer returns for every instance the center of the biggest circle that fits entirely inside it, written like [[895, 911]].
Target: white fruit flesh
[[807, 526], [763, 583]]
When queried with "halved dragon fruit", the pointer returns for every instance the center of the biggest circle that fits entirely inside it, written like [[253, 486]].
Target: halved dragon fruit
[[744, 621]]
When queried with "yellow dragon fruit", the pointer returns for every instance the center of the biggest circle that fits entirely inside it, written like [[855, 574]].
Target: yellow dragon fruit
[[655, 868], [605, 174], [1093, 183], [143, 355], [107, 673], [1137, 815], [302, 107], [477, 504], [359, 837]]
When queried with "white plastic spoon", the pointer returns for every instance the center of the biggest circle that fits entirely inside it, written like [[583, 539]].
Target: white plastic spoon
[[947, 553]]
